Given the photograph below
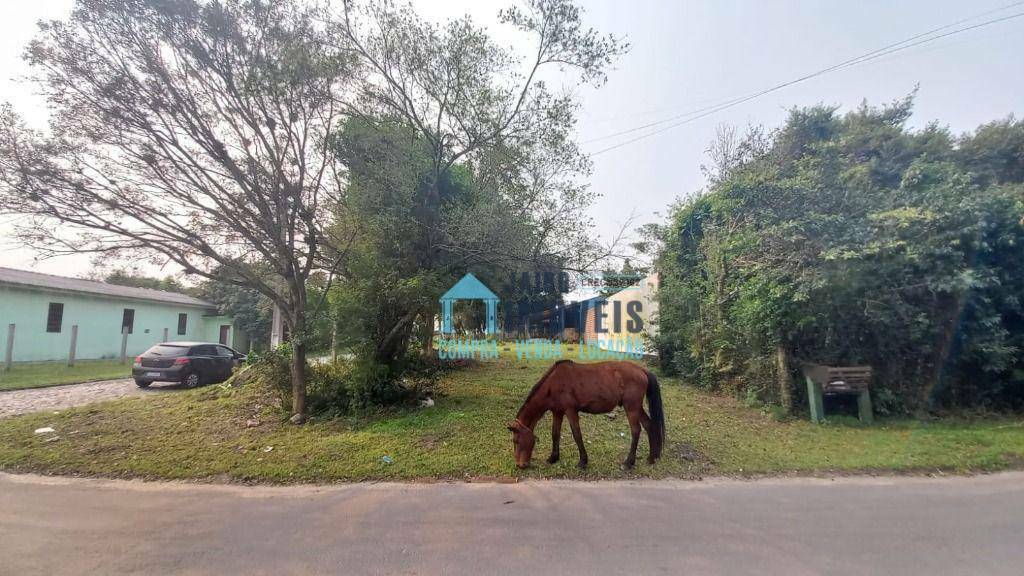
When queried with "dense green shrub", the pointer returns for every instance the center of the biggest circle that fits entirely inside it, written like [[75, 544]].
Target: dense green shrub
[[272, 368], [852, 239], [343, 386]]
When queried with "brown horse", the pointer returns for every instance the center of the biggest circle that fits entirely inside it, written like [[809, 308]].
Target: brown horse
[[568, 388]]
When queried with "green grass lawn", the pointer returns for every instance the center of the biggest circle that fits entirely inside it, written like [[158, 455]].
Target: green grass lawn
[[39, 374], [202, 434]]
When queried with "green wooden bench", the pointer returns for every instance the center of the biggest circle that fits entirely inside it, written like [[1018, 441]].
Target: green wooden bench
[[834, 380]]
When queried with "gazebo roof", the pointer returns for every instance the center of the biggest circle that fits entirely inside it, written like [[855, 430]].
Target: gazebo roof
[[469, 288]]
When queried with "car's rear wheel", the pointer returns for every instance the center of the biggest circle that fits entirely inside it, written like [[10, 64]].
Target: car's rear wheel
[[191, 380], [142, 383]]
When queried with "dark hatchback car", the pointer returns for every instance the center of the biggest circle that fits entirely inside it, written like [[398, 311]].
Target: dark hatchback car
[[190, 363]]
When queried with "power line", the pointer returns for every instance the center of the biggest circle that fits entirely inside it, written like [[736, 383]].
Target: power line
[[845, 63], [711, 110], [907, 43]]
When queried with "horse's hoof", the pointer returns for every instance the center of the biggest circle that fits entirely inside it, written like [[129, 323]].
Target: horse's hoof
[[582, 465], [553, 458], [627, 465], [651, 459]]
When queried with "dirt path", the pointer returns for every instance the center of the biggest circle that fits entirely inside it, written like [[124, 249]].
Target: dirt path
[[16, 402]]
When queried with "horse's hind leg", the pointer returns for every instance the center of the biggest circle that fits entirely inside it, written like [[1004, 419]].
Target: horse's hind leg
[[645, 421], [574, 423], [556, 432], [634, 427]]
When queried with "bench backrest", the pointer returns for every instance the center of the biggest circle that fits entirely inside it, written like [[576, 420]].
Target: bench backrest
[[835, 379]]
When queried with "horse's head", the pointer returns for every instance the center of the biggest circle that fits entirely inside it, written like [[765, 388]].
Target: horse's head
[[522, 443]]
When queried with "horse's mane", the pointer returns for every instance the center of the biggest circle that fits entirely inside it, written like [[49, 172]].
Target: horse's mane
[[537, 386]]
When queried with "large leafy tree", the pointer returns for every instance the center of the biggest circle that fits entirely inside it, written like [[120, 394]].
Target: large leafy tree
[[390, 284], [460, 108], [194, 132], [123, 277], [252, 312]]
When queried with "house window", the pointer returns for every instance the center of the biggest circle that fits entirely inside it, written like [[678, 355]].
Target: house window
[[128, 321], [182, 324], [54, 317]]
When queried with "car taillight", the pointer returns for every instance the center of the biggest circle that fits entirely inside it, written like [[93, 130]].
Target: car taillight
[[181, 360]]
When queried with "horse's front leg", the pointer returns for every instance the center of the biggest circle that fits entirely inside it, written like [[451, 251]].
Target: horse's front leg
[[556, 433], [574, 423]]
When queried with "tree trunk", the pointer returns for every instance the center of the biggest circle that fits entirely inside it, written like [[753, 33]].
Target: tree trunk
[[391, 343], [298, 381], [334, 340], [297, 319], [426, 334], [785, 387]]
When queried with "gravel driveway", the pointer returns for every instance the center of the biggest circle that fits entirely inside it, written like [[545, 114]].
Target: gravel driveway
[[60, 397]]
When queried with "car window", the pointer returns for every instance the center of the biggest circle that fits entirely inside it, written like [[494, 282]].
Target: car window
[[223, 351], [204, 351], [166, 351]]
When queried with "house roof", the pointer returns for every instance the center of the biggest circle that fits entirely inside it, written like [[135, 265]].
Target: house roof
[[469, 288], [64, 284]]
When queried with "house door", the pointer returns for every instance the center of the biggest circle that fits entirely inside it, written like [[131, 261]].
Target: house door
[[225, 331]]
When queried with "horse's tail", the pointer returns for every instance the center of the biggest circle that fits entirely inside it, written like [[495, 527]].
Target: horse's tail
[[657, 415]]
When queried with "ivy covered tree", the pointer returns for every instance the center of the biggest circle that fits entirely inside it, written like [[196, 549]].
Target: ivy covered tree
[[850, 239]]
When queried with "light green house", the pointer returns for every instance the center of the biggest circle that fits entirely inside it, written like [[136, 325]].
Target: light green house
[[44, 310]]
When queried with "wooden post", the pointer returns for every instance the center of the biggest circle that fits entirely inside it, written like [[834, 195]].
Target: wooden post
[[9, 357], [816, 400], [864, 410], [165, 335], [124, 345], [74, 344]]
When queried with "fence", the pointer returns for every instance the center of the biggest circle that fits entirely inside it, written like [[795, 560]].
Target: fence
[[72, 351]]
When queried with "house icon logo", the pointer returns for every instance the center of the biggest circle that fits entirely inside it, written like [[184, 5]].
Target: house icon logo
[[469, 288]]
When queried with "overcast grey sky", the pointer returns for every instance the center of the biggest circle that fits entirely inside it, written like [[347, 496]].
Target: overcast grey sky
[[686, 55]]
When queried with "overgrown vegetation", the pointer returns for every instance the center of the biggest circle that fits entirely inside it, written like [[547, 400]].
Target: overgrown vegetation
[[852, 239], [342, 386], [223, 432]]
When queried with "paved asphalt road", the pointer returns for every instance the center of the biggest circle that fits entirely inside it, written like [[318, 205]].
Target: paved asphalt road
[[791, 526]]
